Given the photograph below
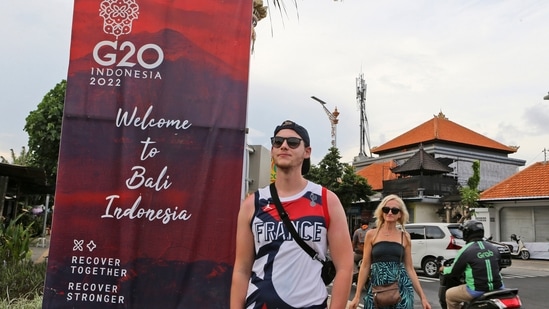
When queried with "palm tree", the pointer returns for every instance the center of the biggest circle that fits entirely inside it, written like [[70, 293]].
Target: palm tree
[[260, 11], [24, 157]]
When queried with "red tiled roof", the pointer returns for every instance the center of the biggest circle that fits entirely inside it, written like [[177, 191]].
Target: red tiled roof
[[441, 129], [531, 182], [376, 173]]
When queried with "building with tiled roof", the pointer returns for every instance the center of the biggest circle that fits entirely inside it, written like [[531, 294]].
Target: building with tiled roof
[[452, 144], [447, 151], [377, 172], [521, 204], [440, 129], [529, 184], [421, 163]]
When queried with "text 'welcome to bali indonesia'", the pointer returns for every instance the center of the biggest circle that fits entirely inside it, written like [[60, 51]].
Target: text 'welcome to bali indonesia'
[[139, 177]]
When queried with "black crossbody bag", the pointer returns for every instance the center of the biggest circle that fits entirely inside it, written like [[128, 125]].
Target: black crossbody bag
[[328, 267]]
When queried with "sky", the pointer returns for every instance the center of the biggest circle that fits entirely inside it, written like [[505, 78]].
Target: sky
[[483, 64]]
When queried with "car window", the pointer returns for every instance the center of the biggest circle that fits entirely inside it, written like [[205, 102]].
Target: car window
[[433, 232], [456, 232], [416, 232]]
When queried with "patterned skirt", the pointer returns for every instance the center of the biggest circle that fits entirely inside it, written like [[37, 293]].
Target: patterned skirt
[[387, 272]]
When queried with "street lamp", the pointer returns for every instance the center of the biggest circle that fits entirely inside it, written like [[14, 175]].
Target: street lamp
[[546, 97], [332, 117]]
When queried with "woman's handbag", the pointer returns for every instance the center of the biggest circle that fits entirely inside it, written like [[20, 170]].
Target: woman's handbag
[[328, 268], [388, 294]]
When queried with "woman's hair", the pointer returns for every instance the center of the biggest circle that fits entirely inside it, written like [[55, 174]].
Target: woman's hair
[[378, 213]]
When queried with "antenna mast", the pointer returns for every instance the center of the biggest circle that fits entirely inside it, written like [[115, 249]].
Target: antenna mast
[[361, 102], [332, 117]]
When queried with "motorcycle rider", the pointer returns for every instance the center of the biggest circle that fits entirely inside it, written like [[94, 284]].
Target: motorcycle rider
[[478, 260]]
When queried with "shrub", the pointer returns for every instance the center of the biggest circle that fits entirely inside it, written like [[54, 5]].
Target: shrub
[[15, 241], [23, 280], [22, 303]]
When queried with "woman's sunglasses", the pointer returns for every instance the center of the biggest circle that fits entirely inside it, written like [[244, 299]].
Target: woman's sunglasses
[[293, 142], [394, 210]]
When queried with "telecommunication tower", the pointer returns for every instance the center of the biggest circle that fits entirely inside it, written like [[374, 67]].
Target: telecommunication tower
[[332, 117], [361, 102]]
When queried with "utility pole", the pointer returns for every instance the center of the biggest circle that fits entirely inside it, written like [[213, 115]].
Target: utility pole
[[332, 117]]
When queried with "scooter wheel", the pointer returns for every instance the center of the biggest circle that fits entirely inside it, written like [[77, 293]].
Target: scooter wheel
[[525, 255]]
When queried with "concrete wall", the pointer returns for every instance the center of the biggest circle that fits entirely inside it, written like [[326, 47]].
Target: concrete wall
[[491, 173], [259, 171], [487, 218], [423, 212]]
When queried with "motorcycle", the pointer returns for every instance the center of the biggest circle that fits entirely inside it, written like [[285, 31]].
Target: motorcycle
[[504, 298], [521, 250]]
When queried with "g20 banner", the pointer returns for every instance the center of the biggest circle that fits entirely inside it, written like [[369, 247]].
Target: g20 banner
[[150, 165]]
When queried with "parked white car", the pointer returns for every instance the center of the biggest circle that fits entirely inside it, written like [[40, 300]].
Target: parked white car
[[431, 240]]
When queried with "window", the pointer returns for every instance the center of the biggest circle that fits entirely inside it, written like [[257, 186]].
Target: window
[[433, 232], [456, 232], [416, 232]]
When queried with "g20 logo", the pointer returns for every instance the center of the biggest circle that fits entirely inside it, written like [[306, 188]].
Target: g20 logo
[[128, 50]]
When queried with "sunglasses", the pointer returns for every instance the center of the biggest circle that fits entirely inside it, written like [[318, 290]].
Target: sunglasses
[[293, 142], [394, 210]]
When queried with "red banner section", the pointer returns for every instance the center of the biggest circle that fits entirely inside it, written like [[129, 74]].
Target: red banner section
[[150, 166]]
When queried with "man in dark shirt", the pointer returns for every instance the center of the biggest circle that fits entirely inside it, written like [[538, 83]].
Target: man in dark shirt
[[358, 240]]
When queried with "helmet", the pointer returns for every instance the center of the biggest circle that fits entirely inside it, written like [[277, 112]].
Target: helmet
[[472, 229]]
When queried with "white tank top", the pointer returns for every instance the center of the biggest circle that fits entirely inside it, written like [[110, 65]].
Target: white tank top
[[284, 275]]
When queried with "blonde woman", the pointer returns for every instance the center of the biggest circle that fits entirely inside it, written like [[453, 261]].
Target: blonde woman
[[388, 256]]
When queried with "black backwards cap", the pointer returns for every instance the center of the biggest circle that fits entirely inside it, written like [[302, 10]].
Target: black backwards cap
[[288, 124]]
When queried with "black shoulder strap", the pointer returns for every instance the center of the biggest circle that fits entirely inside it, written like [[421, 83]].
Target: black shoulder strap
[[286, 219], [403, 249], [402, 244]]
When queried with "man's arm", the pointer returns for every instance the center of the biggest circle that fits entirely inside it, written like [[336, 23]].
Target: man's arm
[[459, 265], [244, 255], [355, 240], [342, 252]]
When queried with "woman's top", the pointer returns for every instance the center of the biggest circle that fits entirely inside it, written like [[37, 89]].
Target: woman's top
[[387, 251]]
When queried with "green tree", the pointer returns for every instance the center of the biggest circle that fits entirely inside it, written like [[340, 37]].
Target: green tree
[[44, 128], [470, 193], [24, 158], [340, 178]]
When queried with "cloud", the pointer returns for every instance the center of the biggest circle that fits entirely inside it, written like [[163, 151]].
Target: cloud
[[537, 118], [483, 64]]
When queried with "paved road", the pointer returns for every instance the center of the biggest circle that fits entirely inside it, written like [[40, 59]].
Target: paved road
[[40, 249]]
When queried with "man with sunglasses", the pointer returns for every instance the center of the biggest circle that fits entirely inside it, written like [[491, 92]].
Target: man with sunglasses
[[271, 269]]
